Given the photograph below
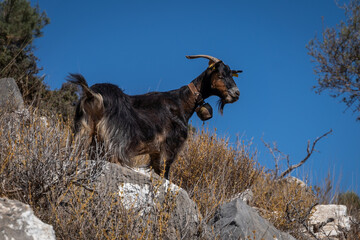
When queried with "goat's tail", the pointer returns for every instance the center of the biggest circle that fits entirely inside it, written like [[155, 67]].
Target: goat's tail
[[79, 79], [91, 103]]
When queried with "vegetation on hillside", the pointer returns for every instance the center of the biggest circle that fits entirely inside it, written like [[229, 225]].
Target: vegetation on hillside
[[42, 165], [20, 25], [337, 57]]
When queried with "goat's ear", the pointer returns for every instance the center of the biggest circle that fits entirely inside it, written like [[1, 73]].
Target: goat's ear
[[235, 72], [211, 65]]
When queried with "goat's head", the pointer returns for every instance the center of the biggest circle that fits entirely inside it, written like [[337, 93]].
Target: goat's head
[[220, 81]]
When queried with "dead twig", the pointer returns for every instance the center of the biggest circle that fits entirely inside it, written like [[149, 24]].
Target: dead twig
[[302, 220], [309, 150]]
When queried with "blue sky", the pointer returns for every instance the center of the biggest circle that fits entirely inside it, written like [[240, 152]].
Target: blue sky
[[141, 47]]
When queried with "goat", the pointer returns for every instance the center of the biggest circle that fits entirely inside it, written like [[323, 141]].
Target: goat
[[155, 123]]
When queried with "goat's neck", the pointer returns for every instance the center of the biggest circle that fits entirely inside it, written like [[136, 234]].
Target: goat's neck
[[190, 100], [201, 84]]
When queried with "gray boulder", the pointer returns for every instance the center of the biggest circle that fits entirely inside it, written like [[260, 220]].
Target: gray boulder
[[10, 96], [236, 220], [146, 191], [17, 221]]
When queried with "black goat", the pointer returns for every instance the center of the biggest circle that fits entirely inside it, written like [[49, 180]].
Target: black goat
[[155, 123]]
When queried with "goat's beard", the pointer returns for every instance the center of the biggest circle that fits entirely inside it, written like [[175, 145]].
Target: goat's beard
[[221, 104]]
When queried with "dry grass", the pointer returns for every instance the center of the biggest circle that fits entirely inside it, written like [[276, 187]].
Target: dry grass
[[212, 172], [102, 215], [286, 204], [41, 165]]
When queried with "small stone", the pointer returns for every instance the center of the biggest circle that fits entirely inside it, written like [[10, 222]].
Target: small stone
[[10, 96]]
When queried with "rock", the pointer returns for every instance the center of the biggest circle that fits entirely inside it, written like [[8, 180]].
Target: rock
[[237, 220], [328, 220], [247, 196], [17, 221], [44, 121], [10, 96], [291, 180], [145, 191]]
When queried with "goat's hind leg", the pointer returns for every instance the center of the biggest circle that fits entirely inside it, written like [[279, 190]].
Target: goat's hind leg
[[169, 160]]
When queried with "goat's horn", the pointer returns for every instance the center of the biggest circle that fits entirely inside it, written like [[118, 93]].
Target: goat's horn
[[215, 60]]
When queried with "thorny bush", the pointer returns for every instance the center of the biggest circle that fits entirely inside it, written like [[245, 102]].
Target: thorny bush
[[212, 171], [42, 165]]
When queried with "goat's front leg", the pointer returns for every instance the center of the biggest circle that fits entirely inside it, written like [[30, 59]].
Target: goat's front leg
[[155, 162], [172, 148], [155, 159], [169, 160]]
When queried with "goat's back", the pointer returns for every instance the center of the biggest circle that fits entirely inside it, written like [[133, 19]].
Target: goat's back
[[121, 123]]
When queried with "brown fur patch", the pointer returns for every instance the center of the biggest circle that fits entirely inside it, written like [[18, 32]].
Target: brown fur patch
[[94, 107], [220, 86], [152, 147]]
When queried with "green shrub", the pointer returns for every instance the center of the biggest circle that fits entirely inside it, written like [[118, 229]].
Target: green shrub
[[351, 200]]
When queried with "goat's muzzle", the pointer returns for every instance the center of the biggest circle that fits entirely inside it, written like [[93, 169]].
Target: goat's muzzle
[[233, 95]]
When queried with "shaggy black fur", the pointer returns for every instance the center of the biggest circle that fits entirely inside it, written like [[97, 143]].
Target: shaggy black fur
[[154, 123]]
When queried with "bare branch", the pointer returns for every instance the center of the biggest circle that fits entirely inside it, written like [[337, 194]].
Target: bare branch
[[310, 150], [302, 220], [277, 155], [10, 191]]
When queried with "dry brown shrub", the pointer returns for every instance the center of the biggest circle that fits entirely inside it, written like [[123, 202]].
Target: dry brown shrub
[[286, 204], [42, 166], [36, 154], [86, 214], [212, 171]]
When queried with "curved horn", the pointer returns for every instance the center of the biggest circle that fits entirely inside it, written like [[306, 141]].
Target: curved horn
[[215, 60]]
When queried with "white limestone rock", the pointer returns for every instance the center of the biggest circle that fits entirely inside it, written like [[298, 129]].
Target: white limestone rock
[[17, 221], [333, 216]]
